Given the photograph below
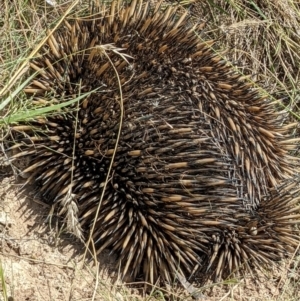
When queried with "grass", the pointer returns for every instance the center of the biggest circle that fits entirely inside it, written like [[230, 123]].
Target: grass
[[3, 284], [262, 39]]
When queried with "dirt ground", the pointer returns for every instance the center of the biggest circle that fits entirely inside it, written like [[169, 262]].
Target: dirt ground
[[40, 263]]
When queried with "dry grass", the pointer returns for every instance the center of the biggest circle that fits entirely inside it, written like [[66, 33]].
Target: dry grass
[[262, 39], [263, 42]]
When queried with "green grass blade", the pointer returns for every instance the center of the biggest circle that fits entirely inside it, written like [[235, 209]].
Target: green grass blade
[[3, 284], [5, 102], [25, 115]]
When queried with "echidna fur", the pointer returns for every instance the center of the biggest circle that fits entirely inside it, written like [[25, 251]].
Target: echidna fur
[[195, 179]]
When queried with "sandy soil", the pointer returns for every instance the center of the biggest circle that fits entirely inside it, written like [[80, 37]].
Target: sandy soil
[[40, 263]]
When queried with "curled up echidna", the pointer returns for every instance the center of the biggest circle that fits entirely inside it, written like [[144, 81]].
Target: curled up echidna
[[187, 154]]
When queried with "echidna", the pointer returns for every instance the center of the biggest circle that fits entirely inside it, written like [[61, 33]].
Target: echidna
[[190, 155]]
